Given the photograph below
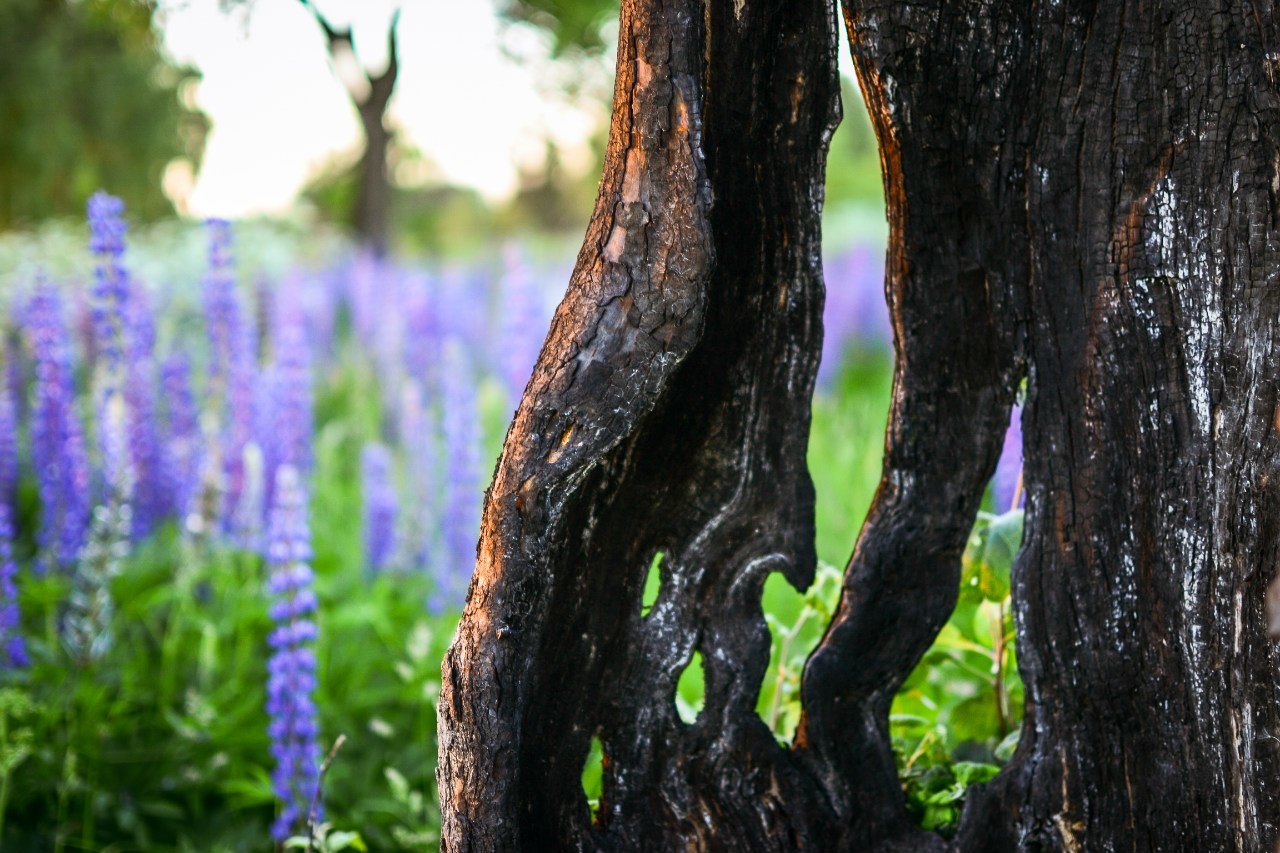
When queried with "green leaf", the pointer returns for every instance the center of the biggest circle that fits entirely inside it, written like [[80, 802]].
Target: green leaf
[[342, 840], [1006, 748], [419, 645], [16, 703], [1002, 539], [974, 719], [399, 784], [937, 817], [973, 772]]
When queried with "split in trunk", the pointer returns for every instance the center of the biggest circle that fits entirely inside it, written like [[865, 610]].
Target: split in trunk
[[1081, 194]]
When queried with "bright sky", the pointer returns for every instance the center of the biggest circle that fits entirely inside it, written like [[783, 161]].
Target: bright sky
[[279, 113]]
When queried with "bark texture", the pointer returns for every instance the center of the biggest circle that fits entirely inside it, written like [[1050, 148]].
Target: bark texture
[[1081, 194]]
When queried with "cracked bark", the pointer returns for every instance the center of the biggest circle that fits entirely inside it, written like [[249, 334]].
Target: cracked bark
[[1082, 194]]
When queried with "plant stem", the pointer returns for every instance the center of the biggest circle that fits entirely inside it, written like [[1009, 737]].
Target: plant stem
[[1001, 693], [784, 667], [4, 778]]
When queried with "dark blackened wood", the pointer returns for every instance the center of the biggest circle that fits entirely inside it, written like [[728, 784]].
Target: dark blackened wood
[[955, 376], [1149, 201], [1110, 166], [1081, 193], [668, 413]]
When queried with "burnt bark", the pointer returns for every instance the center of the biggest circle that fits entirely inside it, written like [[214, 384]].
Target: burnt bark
[[1080, 194]]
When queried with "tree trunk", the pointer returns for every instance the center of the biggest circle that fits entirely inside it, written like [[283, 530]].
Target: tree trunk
[[373, 194], [370, 95], [1084, 194], [1131, 217]]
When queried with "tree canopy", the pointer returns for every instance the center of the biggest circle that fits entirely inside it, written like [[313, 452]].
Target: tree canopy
[[89, 99], [574, 25]]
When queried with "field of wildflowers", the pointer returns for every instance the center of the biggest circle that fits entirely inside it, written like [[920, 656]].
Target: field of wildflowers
[[240, 483]]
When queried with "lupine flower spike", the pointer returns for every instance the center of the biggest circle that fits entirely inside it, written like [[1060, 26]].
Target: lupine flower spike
[[380, 507], [1006, 485], [291, 669], [109, 310], [57, 440], [13, 650]]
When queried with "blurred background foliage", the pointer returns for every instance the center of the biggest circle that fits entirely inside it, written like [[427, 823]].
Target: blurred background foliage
[[88, 99]]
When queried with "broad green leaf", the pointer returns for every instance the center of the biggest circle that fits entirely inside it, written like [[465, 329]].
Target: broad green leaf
[[974, 719], [399, 784], [1006, 748], [1002, 539], [973, 772], [342, 840]]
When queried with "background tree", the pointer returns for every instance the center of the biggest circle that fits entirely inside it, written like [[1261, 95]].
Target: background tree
[[370, 94], [1082, 195], [88, 99]]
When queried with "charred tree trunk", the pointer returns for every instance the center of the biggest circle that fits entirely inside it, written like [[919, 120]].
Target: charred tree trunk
[[1081, 194], [1133, 221]]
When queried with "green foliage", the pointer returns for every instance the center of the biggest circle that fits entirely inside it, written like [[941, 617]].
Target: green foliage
[[88, 99], [161, 743], [435, 218], [853, 161], [956, 718], [575, 26], [846, 446], [327, 840], [796, 622]]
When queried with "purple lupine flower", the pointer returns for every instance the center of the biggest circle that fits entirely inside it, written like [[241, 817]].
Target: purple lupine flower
[[13, 650], [380, 506], [109, 310], [57, 440], [461, 300], [523, 326], [183, 458], [223, 315], [390, 341], [241, 402], [293, 399], [16, 368], [1004, 485], [284, 415], [152, 501], [286, 304], [107, 231], [8, 446], [419, 524], [422, 330], [364, 282], [291, 669], [321, 299], [232, 370], [463, 487], [856, 314], [266, 415]]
